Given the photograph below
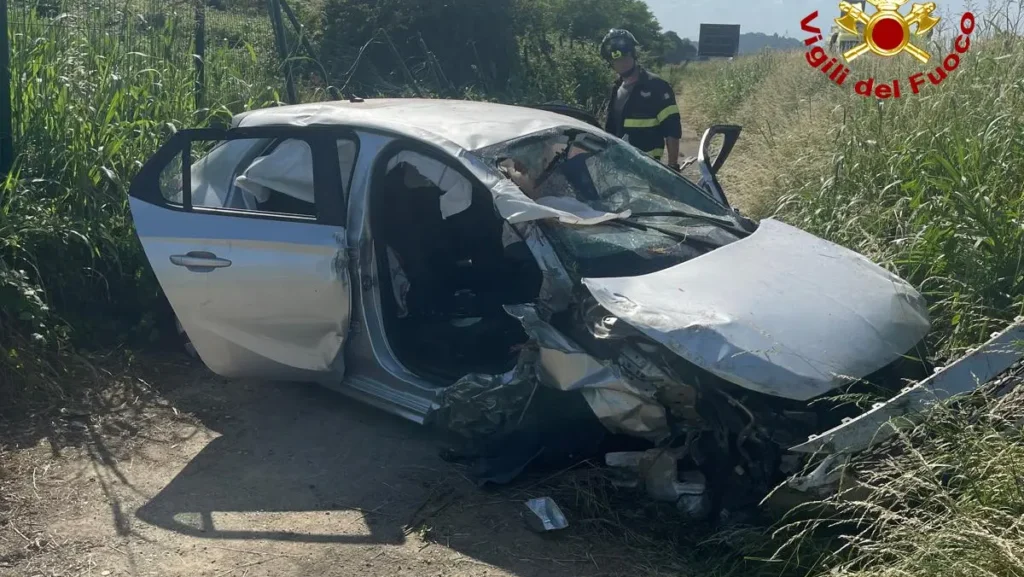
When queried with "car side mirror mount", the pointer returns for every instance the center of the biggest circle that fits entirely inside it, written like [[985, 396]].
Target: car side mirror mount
[[709, 167]]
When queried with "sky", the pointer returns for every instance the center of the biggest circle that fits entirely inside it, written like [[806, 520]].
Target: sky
[[769, 16]]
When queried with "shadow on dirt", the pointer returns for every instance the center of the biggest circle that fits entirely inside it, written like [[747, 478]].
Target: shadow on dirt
[[302, 464], [172, 447], [104, 395], [285, 449]]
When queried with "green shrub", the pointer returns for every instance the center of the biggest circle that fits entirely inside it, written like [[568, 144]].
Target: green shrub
[[572, 72]]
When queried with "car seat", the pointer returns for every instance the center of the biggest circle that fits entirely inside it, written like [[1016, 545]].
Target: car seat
[[495, 274], [409, 221], [452, 326]]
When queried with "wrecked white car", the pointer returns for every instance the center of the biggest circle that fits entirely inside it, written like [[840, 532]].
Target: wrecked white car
[[518, 277]]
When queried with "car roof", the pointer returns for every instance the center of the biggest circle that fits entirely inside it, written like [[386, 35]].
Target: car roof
[[468, 124]]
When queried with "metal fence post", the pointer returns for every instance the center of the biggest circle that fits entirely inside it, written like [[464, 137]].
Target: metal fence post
[[309, 47], [6, 136], [200, 55], [274, 8]]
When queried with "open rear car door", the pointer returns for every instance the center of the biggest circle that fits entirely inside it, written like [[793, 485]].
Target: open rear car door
[[244, 229]]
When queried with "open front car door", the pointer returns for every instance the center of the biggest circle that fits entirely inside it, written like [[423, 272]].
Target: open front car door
[[709, 166], [244, 229]]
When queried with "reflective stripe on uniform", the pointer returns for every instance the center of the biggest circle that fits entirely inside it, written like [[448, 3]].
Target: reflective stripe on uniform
[[666, 112], [651, 122], [640, 123]]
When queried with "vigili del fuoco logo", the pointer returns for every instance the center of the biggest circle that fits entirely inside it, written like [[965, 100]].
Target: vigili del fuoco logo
[[884, 33]]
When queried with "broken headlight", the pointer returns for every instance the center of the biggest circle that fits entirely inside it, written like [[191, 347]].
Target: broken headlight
[[603, 325]]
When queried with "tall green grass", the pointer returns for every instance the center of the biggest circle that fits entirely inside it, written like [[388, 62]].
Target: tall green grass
[[942, 499], [88, 107], [725, 85], [932, 186]]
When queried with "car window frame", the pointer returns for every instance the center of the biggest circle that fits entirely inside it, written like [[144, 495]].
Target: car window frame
[[401, 144], [248, 197], [379, 167], [330, 197]]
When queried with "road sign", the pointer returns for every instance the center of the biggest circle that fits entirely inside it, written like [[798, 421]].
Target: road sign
[[718, 40]]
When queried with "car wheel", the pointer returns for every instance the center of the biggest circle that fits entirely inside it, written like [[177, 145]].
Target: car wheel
[[190, 349]]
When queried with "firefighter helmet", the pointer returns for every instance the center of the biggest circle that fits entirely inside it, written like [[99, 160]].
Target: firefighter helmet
[[618, 43]]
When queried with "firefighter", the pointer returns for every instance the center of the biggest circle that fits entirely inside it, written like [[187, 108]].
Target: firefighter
[[642, 107]]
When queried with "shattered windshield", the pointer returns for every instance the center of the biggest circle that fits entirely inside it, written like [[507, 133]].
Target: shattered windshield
[[670, 220]]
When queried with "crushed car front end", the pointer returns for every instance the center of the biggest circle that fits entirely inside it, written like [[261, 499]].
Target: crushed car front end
[[734, 356], [686, 326]]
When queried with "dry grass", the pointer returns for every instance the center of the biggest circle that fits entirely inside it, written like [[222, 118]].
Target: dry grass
[[785, 112], [944, 498], [929, 186]]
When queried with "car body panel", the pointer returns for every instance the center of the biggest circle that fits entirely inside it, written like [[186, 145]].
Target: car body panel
[[375, 374], [622, 404], [447, 126], [455, 128], [259, 294], [979, 367], [466, 124], [781, 312], [280, 309]]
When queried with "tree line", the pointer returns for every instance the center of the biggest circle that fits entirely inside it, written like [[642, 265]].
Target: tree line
[[518, 49]]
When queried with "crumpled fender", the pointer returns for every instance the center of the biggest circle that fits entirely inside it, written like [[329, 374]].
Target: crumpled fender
[[781, 312]]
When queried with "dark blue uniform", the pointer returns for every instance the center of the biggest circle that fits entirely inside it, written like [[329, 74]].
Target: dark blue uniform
[[649, 116]]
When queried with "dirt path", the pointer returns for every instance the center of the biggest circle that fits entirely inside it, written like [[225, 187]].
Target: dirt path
[[689, 144], [187, 474]]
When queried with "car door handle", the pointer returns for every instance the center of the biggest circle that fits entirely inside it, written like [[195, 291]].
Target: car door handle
[[199, 260]]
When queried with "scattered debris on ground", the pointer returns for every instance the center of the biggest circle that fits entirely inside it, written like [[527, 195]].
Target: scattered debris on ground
[[545, 515]]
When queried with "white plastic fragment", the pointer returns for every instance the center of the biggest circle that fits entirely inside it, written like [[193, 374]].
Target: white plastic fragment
[[693, 501], [627, 459], [545, 515]]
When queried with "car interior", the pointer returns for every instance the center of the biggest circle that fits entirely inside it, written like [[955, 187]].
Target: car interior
[[301, 163], [445, 270], [266, 175]]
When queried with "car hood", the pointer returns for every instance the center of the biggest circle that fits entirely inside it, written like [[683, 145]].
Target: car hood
[[781, 312]]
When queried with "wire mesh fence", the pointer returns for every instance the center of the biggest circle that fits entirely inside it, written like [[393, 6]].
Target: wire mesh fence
[[196, 60], [240, 48], [233, 47], [239, 42], [89, 50], [132, 23]]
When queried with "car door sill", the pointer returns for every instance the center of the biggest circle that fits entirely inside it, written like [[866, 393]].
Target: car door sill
[[411, 407]]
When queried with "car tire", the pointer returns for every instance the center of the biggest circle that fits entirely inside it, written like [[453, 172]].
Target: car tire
[[186, 342]]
